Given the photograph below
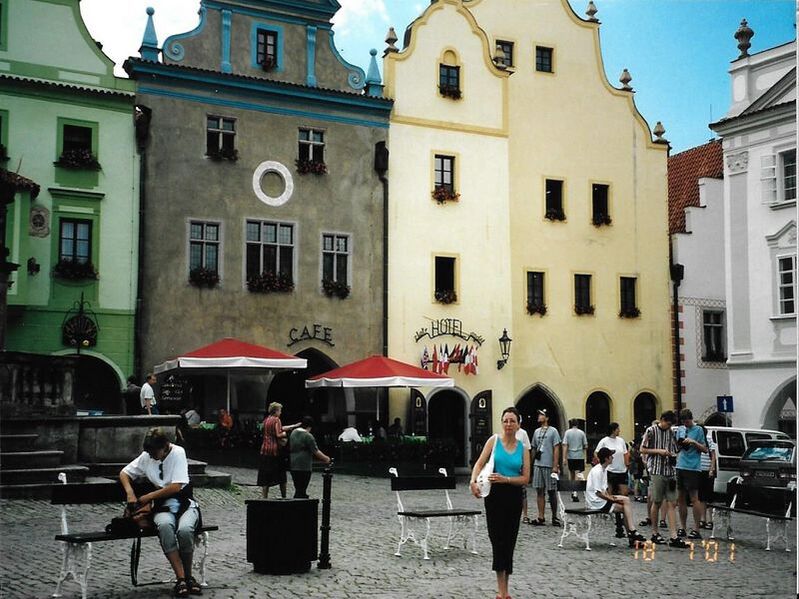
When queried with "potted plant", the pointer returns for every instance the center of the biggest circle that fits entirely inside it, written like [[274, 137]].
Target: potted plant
[[78, 159], [335, 288], [536, 308], [580, 310], [553, 214], [601, 219], [446, 296], [316, 167], [74, 271], [268, 282], [632, 312], [442, 194], [203, 277], [450, 91]]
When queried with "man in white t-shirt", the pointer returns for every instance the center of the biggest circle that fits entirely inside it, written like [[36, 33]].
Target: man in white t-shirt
[[617, 471], [176, 514], [349, 435], [147, 396], [597, 496]]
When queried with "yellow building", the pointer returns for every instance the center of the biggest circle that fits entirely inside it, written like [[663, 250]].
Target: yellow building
[[529, 190]]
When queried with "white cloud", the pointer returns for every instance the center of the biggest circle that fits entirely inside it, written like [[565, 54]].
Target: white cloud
[[357, 13]]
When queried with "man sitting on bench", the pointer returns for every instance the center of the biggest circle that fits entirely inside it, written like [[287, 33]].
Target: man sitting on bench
[[176, 514], [598, 498]]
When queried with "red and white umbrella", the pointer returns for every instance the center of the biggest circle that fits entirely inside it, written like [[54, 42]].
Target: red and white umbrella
[[231, 355], [379, 371]]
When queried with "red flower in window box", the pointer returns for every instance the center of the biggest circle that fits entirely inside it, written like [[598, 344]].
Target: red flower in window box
[[203, 277], [450, 91], [74, 271], [268, 282], [536, 308], [316, 167], [78, 159], [335, 288], [443, 194]]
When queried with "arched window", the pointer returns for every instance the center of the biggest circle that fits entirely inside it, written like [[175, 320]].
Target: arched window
[[644, 412]]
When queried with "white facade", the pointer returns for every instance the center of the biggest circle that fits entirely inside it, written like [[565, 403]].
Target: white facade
[[700, 249], [759, 141]]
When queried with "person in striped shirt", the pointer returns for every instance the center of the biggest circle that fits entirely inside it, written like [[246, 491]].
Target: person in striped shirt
[[659, 447]]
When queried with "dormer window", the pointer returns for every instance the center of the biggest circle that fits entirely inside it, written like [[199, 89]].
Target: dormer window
[[449, 81], [267, 49]]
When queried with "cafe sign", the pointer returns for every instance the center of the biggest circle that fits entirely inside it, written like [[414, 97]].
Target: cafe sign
[[313, 332]]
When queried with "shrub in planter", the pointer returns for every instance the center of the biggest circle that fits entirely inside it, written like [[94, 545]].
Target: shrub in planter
[[78, 159], [580, 310], [536, 308], [443, 194], [316, 167], [446, 296], [334, 288], [268, 282], [203, 277], [74, 271]]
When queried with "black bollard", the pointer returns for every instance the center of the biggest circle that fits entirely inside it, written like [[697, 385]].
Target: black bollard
[[324, 551]]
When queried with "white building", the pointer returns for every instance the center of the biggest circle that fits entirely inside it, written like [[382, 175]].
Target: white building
[[759, 143]]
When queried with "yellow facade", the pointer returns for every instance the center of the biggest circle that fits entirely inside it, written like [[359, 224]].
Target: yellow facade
[[510, 131]]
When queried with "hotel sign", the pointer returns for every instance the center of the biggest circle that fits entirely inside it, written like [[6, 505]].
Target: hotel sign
[[447, 327]]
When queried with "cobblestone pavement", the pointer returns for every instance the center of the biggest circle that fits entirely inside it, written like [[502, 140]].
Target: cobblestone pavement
[[363, 542]]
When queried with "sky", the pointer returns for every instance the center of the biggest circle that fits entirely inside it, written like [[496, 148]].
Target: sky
[[677, 51]]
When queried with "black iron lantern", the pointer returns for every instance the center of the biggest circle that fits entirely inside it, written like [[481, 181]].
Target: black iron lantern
[[504, 349]]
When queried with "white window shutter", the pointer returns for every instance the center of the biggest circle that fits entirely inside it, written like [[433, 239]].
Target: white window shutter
[[768, 179]]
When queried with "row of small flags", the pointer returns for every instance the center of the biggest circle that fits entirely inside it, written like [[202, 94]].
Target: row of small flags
[[441, 358]]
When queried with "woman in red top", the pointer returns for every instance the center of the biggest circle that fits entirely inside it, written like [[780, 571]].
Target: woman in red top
[[272, 470]]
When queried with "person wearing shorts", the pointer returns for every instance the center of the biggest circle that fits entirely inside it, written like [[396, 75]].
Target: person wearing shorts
[[692, 444], [659, 447], [546, 444], [707, 480], [574, 444]]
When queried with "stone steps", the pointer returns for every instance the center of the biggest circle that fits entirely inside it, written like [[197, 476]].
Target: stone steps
[[30, 459], [22, 442], [26, 476]]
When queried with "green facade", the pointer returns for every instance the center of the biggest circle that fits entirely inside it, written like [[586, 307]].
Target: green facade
[[67, 123]]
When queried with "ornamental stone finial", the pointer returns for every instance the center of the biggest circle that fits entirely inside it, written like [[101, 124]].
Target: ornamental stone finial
[[591, 11], [659, 131], [499, 58], [391, 40], [743, 35], [625, 79], [374, 86]]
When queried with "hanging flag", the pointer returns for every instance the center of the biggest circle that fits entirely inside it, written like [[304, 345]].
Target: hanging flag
[[435, 359], [467, 361], [475, 368], [445, 360], [425, 358]]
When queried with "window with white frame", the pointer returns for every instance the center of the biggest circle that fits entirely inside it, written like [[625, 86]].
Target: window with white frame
[[204, 245], [713, 336], [312, 145], [270, 249], [335, 257], [220, 137], [786, 285], [778, 177]]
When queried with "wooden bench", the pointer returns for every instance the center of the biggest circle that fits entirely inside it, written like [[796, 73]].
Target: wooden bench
[[77, 550], [457, 518], [580, 521], [772, 503]]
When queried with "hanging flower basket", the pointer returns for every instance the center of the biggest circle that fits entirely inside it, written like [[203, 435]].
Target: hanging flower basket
[[268, 282], [223, 154], [555, 215], [581, 310], [450, 91], [601, 219], [629, 313], [74, 271], [536, 308], [446, 296], [316, 167], [203, 277], [78, 159], [334, 288], [442, 194]]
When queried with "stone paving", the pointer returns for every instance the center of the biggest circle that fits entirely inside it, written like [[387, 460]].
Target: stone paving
[[362, 545]]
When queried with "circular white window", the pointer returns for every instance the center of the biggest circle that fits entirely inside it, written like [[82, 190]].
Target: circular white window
[[265, 168]]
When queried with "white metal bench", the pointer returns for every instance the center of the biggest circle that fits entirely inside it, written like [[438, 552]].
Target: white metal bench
[[459, 520], [581, 521]]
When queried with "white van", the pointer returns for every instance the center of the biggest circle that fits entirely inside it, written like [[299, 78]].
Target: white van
[[732, 443]]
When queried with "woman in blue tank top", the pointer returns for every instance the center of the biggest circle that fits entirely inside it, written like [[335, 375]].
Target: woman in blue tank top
[[504, 503]]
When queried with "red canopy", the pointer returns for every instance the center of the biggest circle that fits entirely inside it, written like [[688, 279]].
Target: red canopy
[[379, 371], [232, 353]]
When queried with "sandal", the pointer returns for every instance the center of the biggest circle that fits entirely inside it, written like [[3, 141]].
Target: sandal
[[181, 588], [194, 586], [537, 522], [526, 520]]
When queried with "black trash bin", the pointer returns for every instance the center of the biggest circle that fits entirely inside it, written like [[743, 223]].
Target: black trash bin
[[282, 535]]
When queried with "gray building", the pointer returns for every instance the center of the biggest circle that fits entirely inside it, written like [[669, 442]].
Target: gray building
[[262, 211]]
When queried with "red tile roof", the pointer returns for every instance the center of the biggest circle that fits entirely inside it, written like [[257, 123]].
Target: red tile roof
[[12, 182], [685, 170]]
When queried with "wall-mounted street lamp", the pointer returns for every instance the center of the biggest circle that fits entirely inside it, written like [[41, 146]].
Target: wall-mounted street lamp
[[504, 349]]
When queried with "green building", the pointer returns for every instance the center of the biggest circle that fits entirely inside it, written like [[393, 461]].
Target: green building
[[67, 123]]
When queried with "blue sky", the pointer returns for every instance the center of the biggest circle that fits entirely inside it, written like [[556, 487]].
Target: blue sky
[[678, 51]]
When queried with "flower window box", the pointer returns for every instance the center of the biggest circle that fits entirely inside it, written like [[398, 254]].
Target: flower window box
[[442, 194], [316, 167], [203, 277], [601, 219], [553, 214], [74, 271], [78, 159], [446, 296], [450, 91], [223, 154], [583, 310], [335, 288], [536, 308], [269, 282], [629, 313]]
